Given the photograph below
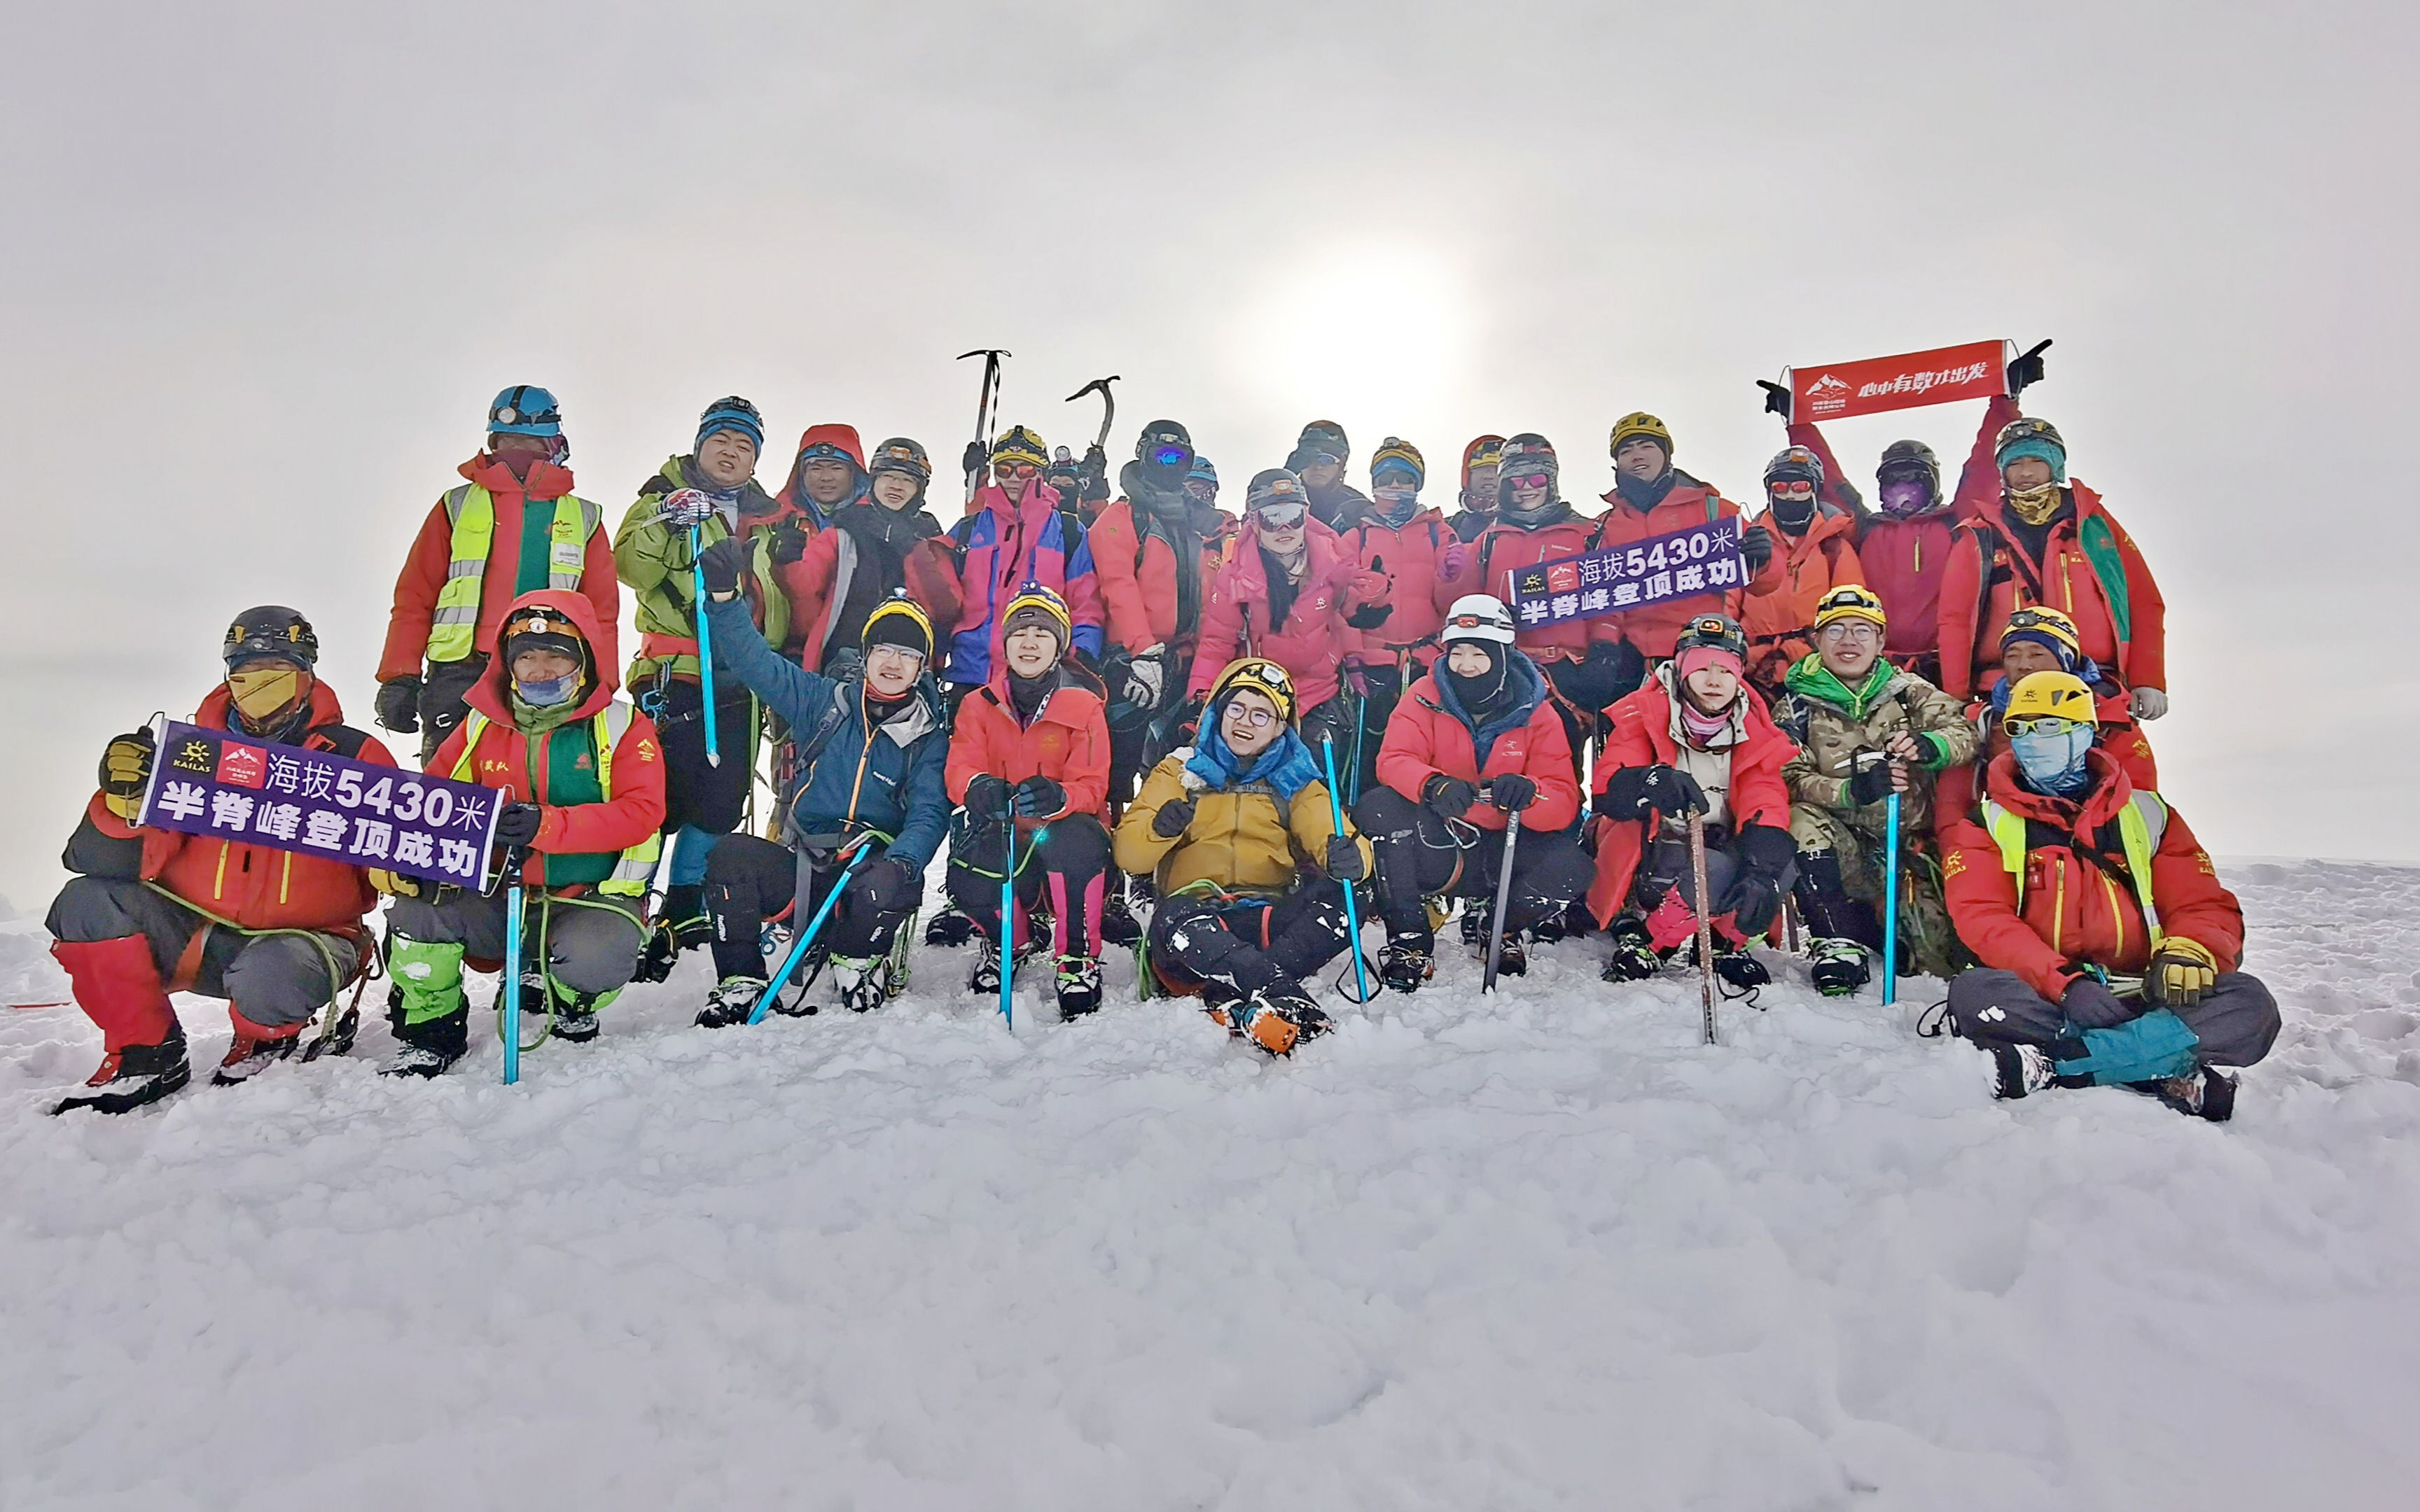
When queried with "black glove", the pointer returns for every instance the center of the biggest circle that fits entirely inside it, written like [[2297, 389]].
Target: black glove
[[891, 886], [1344, 859], [724, 562], [975, 459], [1512, 792], [1632, 791], [1038, 797], [1092, 472], [1447, 797], [126, 770], [516, 824], [1870, 784], [1611, 669], [2090, 1005], [398, 703], [2026, 370], [789, 542], [1752, 900], [1776, 398], [1172, 819], [986, 798], [1756, 546], [1188, 714]]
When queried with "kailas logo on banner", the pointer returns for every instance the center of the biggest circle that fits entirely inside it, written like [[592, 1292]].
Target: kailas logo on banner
[[1978, 370]]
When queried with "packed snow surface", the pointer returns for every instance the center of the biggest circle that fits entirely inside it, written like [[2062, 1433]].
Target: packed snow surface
[[1538, 1250]]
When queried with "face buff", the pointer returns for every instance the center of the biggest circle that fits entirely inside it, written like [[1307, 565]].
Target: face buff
[[2055, 764], [545, 695], [2035, 506], [262, 691]]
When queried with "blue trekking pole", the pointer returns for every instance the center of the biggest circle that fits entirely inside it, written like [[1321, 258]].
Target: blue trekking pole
[[1352, 907], [1008, 906], [1890, 906], [514, 906], [704, 645], [799, 950]]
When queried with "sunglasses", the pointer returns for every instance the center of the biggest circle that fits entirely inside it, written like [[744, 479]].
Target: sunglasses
[[1281, 516], [1791, 490], [1528, 480], [1015, 470], [2049, 724], [1257, 718]]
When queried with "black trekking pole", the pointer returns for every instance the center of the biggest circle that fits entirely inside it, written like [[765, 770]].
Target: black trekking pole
[[986, 406], [1503, 900]]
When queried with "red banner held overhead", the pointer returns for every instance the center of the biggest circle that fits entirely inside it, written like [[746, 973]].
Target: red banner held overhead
[[1837, 390]]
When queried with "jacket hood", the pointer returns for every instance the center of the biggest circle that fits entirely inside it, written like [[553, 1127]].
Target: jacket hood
[[1134, 481], [547, 480], [844, 438], [215, 708], [492, 695], [1065, 676], [1327, 550], [1810, 679], [2111, 791], [992, 497], [1522, 681]]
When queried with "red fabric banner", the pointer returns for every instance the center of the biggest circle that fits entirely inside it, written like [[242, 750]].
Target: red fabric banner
[[1978, 370]]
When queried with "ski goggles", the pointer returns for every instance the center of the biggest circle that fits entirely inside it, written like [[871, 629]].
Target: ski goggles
[[1168, 454], [2048, 724], [1281, 516], [1790, 490], [1476, 621], [1526, 480], [1019, 470]]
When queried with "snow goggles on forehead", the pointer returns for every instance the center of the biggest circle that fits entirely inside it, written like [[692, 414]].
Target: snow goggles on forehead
[[1281, 516], [1475, 621], [2048, 724]]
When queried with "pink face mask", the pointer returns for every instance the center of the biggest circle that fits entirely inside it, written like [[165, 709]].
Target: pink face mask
[[1906, 496]]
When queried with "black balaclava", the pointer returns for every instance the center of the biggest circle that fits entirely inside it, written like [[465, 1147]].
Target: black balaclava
[[1479, 696]]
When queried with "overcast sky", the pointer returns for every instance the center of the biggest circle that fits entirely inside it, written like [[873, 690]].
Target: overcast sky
[[267, 263]]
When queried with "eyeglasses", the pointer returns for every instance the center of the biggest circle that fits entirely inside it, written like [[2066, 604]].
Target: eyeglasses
[[1257, 718], [1015, 470], [1281, 516], [1842, 631], [1791, 490], [2049, 724]]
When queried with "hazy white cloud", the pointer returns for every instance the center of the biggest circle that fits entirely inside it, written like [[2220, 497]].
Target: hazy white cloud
[[268, 261]]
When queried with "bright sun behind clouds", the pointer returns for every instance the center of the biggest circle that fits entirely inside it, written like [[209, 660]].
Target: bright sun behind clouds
[[1361, 329]]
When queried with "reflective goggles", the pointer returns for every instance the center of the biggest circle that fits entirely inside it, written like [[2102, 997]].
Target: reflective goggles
[[1784, 489], [1281, 517], [2048, 724], [1475, 621], [1019, 470], [1170, 454], [1528, 480]]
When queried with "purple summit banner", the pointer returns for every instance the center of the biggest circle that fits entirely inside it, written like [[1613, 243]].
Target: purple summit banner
[[1703, 559], [318, 803]]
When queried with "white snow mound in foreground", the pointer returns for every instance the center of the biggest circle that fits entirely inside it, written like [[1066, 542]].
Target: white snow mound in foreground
[[1543, 1250]]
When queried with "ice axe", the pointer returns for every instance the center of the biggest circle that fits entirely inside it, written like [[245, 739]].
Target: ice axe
[[1109, 407], [987, 403]]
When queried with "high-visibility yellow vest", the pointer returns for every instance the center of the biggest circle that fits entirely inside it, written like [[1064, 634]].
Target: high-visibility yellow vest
[[2140, 824], [454, 628], [636, 865]]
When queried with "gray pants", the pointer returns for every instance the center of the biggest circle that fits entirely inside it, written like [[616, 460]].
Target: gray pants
[[590, 950], [2236, 1024], [275, 980]]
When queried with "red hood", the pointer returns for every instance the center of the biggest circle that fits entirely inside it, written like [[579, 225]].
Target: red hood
[[546, 479], [490, 696], [844, 437], [325, 710]]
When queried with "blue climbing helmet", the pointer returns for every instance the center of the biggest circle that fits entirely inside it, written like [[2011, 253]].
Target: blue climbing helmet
[[524, 410]]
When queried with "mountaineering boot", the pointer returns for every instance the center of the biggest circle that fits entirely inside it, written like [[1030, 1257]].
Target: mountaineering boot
[[1118, 925], [2206, 1093], [1078, 986], [575, 1016], [1739, 970], [253, 1050], [732, 1000], [950, 926], [864, 982], [1511, 957], [1634, 959], [1404, 962], [1840, 967], [132, 1076], [338, 1040], [984, 977], [1474, 931], [2017, 1070], [683, 924], [424, 1048], [1280, 1018]]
